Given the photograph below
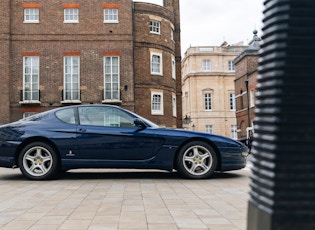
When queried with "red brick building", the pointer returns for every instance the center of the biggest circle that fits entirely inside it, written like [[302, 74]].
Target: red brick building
[[246, 72], [58, 53]]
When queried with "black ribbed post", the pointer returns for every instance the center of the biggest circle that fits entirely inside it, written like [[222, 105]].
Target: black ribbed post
[[282, 195]]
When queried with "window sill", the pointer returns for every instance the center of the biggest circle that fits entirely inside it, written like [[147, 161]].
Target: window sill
[[30, 102], [157, 113], [27, 22], [114, 102], [111, 22], [70, 22], [71, 102], [157, 74]]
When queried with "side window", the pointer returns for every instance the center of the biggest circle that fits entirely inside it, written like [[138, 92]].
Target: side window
[[208, 101], [156, 63], [155, 27], [105, 116], [71, 90], [31, 78], [173, 68], [232, 102], [31, 15], [71, 15], [206, 65], [110, 15], [66, 115], [157, 103], [231, 66]]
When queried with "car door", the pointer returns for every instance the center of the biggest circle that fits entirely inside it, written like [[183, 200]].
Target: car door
[[109, 133]]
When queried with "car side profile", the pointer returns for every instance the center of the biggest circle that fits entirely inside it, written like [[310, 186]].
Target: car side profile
[[106, 136]]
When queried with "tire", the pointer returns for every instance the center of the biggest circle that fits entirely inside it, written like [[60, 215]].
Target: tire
[[197, 160], [38, 161]]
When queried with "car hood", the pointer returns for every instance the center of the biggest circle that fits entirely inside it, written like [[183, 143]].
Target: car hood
[[226, 141]]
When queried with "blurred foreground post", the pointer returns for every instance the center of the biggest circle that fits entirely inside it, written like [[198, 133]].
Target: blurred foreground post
[[282, 192]]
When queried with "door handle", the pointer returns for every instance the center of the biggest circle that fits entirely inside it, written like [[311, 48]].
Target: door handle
[[82, 130]]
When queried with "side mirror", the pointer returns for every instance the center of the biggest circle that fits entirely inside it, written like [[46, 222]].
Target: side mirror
[[139, 123]]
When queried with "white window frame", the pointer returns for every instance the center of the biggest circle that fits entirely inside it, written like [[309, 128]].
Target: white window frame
[[231, 66], [174, 109], [209, 129], [232, 102], [155, 27], [208, 101], [173, 67], [71, 15], [155, 65], [251, 98], [206, 65], [157, 107], [73, 71], [111, 78], [31, 72], [111, 15], [31, 15], [234, 132]]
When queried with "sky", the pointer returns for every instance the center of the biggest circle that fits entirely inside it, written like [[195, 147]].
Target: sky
[[211, 22]]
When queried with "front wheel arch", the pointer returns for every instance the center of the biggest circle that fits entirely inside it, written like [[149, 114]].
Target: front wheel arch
[[202, 140], [204, 149]]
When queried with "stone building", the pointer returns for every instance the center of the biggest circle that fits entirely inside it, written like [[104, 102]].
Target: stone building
[[59, 53], [208, 76], [246, 66]]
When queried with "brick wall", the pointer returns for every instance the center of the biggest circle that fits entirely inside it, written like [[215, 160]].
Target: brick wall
[[146, 42], [4, 60], [245, 69], [90, 39]]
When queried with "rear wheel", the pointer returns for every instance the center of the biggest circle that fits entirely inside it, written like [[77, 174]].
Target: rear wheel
[[197, 160], [38, 161]]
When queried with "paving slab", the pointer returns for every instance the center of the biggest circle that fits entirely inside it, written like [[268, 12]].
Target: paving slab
[[105, 199]]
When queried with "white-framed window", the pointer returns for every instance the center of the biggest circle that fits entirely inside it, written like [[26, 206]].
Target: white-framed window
[[206, 65], [31, 15], [111, 78], [209, 129], [208, 101], [156, 63], [71, 92], [31, 78], [231, 66], [174, 105], [251, 98], [234, 132], [232, 101], [157, 103], [71, 15], [172, 34], [155, 27], [173, 68], [110, 15]]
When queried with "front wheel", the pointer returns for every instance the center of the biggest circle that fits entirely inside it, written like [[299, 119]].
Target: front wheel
[[197, 160], [38, 161]]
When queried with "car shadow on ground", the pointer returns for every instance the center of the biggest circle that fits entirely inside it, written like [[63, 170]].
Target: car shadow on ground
[[95, 174]]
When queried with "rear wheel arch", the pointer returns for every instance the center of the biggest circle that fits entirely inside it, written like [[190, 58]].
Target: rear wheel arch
[[36, 139]]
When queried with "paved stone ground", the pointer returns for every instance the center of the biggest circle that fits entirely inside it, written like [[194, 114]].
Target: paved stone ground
[[124, 199]]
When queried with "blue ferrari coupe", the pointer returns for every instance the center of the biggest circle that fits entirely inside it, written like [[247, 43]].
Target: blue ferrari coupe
[[105, 136]]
